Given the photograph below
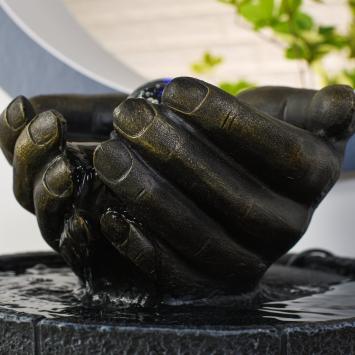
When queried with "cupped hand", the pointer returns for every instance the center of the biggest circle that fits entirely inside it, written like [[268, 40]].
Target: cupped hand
[[49, 140], [197, 195], [218, 187]]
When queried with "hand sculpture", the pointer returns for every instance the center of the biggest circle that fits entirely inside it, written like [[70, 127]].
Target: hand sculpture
[[198, 194]]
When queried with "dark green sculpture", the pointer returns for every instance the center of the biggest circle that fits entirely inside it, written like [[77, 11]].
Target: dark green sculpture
[[196, 195]]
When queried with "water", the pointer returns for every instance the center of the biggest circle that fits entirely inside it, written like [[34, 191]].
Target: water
[[336, 303], [54, 293]]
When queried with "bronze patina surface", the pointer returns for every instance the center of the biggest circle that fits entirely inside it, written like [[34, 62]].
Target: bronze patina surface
[[190, 194]]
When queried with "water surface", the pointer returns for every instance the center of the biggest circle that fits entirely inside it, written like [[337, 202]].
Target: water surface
[[50, 292]]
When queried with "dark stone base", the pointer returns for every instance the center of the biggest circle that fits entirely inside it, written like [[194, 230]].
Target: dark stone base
[[31, 334]]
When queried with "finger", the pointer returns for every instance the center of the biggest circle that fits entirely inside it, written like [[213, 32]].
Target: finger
[[130, 242], [74, 246], [92, 258], [327, 112], [155, 260], [52, 199], [237, 200], [297, 159], [89, 117], [40, 141], [171, 216], [285, 103], [12, 121], [331, 112]]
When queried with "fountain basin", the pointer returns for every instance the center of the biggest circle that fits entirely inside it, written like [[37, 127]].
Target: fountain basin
[[297, 310]]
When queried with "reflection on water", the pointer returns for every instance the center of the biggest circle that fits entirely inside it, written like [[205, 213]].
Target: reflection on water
[[49, 292], [336, 303]]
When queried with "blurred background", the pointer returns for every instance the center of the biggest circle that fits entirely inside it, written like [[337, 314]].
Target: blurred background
[[261, 42], [88, 46]]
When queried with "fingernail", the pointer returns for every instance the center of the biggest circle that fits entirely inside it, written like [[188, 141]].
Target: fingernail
[[133, 117], [112, 161], [115, 228], [44, 127], [58, 178], [184, 94], [18, 112]]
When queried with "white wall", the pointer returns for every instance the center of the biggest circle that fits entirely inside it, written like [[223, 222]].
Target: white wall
[[333, 224]]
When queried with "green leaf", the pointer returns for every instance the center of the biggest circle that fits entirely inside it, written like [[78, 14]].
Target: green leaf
[[258, 12], [297, 51], [303, 37], [326, 30], [303, 22], [289, 6], [235, 88], [329, 37], [282, 27], [207, 63]]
